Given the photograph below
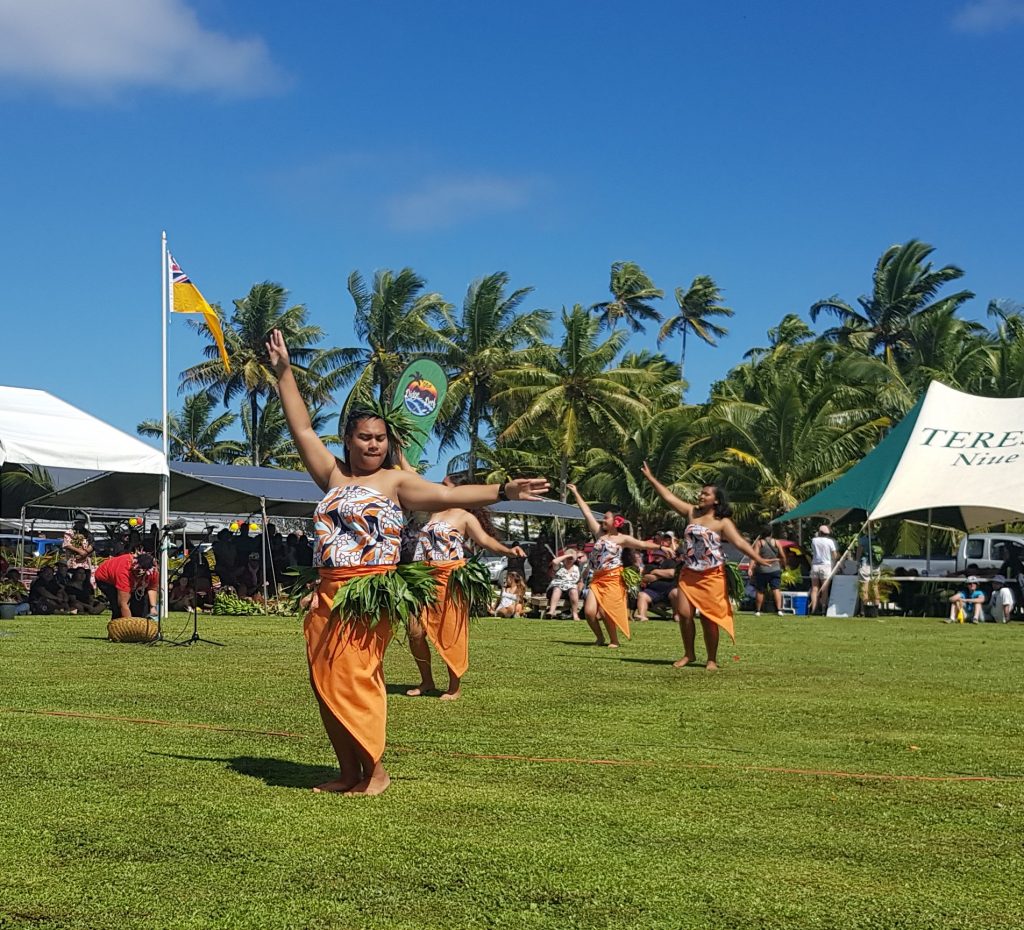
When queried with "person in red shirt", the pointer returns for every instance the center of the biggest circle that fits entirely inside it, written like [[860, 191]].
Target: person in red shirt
[[129, 582]]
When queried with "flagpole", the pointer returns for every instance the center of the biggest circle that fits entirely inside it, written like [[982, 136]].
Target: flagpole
[[164, 479]]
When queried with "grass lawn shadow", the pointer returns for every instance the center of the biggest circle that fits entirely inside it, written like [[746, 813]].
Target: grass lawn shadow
[[655, 661], [278, 773]]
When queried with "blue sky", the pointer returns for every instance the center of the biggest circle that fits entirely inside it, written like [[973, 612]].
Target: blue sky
[[779, 148]]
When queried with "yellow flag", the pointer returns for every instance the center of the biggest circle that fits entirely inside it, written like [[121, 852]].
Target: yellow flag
[[185, 298]]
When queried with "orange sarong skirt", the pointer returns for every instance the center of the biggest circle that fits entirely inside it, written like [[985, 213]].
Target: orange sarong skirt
[[346, 661], [446, 621], [610, 591], [709, 593]]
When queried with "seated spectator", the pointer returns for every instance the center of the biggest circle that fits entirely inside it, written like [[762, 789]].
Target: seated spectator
[[46, 596], [1000, 603], [82, 597], [14, 577], [565, 583], [179, 595], [967, 603], [249, 578], [61, 575], [129, 582], [659, 579], [513, 596], [225, 556]]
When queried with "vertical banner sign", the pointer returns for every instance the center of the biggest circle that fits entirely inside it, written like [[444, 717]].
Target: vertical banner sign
[[420, 392]]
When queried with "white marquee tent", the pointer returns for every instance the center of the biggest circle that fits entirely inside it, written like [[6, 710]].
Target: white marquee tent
[[37, 428]]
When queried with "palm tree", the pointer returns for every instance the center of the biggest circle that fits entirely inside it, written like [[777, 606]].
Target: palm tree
[[26, 481], [490, 335], [255, 315], [666, 440], [393, 321], [1006, 354], [632, 290], [786, 430], [194, 434], [904, 286], [577, 390], [272, 438], [700, 301], [791, 331]]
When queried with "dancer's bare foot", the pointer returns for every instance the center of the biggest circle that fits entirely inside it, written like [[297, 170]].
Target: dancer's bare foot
[[452, 695], [711, 666], [335, 786], [613, 645], [370, 787], [683, 662], [420, 691]]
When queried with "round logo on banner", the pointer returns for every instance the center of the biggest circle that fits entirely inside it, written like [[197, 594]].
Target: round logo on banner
[[420, 397]]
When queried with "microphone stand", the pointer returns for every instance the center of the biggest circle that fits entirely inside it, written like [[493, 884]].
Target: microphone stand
[[195, 555]]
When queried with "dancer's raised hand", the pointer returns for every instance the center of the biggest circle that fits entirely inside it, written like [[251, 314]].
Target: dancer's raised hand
[[526, 489], [646, 471], [277, 351]]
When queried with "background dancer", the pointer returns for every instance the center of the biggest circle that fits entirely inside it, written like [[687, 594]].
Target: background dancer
[[702, 579], [358, 526], [441, 543], [606, 598]]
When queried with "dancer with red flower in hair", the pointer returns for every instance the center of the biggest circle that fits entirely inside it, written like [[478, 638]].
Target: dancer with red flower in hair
[[606, 598]]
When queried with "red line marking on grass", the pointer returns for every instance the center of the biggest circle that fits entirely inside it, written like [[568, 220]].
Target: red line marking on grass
[[548, 760], [764, 769], [155, 723]]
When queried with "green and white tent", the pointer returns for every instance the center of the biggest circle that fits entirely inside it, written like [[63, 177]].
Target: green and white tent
[[955, 460]]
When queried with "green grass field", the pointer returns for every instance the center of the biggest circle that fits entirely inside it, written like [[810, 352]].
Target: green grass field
[[820, 779]]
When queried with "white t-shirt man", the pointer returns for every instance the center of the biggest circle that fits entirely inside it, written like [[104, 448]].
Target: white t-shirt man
[[823, 554], [1000, 603]]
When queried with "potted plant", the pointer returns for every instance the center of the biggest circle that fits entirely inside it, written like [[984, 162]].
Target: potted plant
[[12, 593]]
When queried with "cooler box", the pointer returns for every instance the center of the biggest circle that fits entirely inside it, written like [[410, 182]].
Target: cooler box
[[797, 601]]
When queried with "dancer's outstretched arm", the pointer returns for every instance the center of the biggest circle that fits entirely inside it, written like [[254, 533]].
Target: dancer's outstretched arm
[[734, 536], [676, 503], [318, 459], [484, 539], [416, 493], [588, 516], [631, 542]]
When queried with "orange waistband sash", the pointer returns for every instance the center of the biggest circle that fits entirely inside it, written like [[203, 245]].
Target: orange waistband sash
[[446, 621], [346, 660], [708, 591], [610, 591]]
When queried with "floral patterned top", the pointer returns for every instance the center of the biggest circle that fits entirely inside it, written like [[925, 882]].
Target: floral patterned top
[[565, 578], [605, 555], [702, 548], [355, 526], [439, 541], [74, 560]]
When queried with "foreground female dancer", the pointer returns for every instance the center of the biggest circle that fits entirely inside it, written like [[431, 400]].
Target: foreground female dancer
[[442, 545], [358, 526], [702, 580], [607, 598]]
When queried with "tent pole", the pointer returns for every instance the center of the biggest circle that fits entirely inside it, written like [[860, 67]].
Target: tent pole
[[928, 545], [165, 480], [263, 562], [21, 542]]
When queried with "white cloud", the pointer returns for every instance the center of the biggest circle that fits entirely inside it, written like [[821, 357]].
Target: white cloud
[[447, 202], [986, 16], [98, 47]]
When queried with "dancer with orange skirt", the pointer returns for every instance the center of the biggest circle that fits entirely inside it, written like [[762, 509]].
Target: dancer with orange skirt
[[702, 579], [358, 529], [441, 544], [606, 598]]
